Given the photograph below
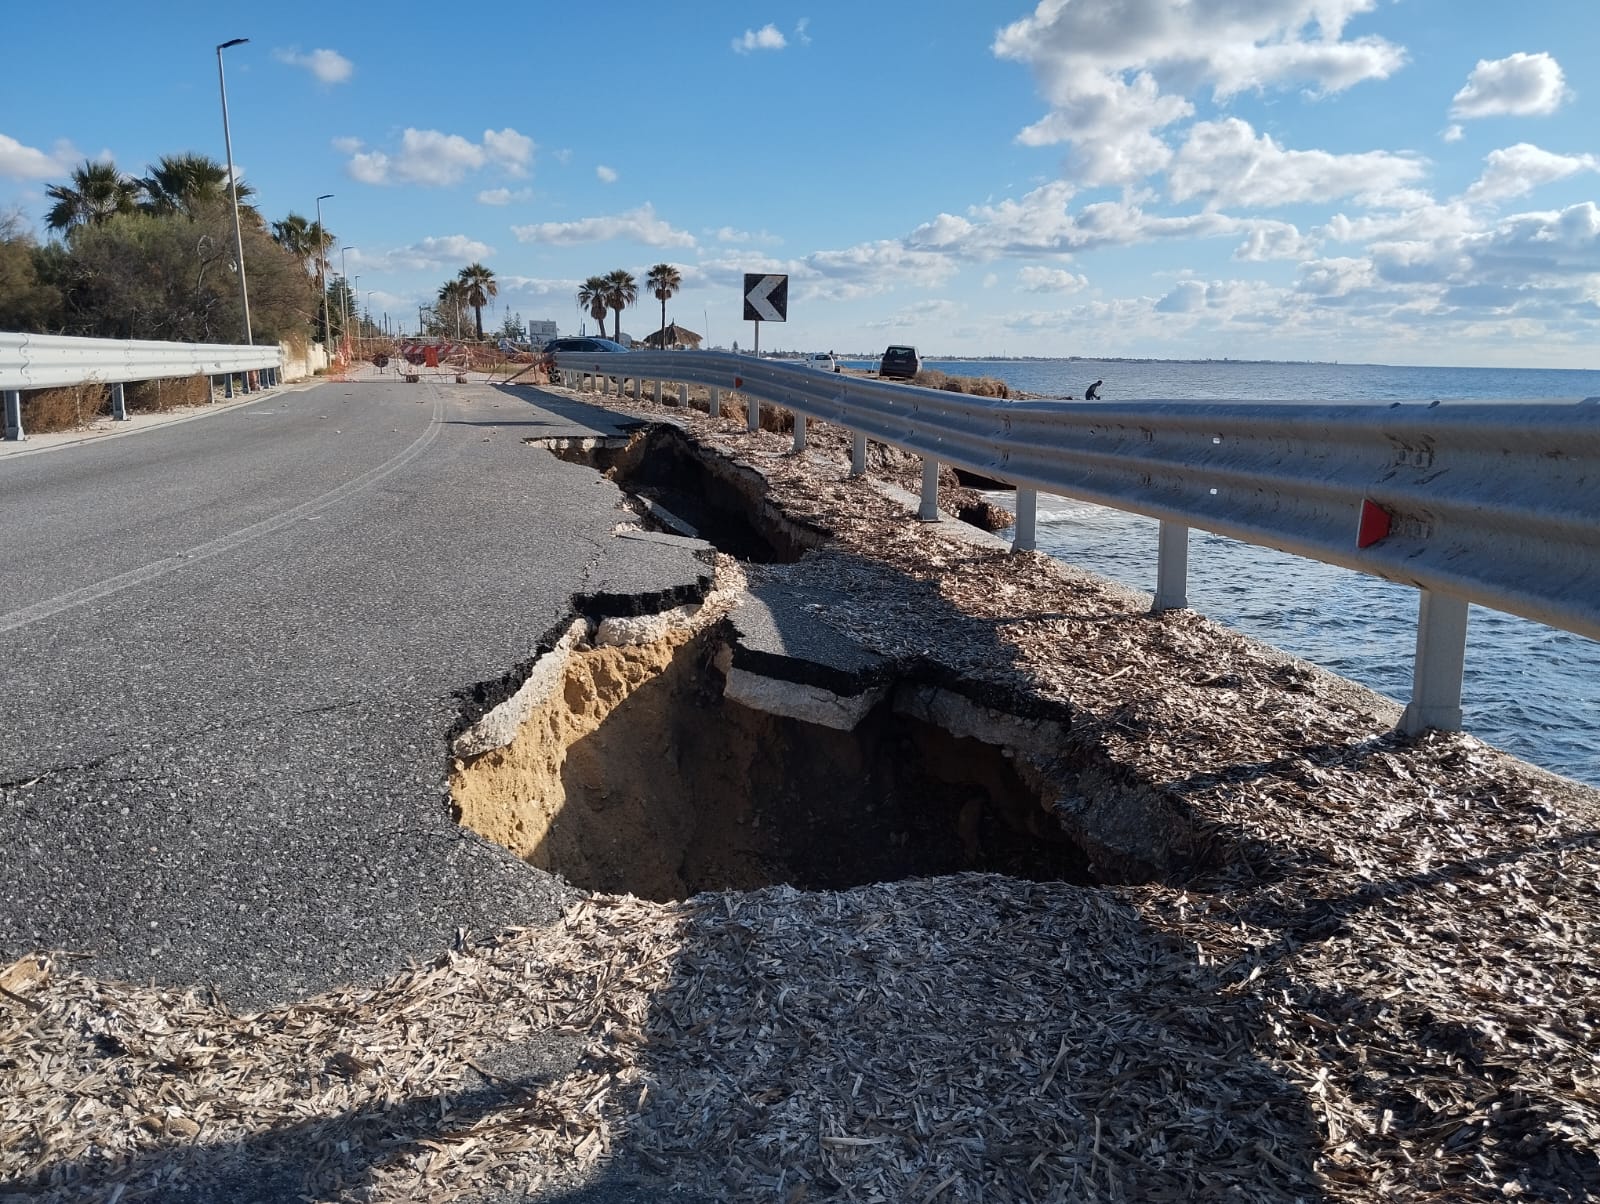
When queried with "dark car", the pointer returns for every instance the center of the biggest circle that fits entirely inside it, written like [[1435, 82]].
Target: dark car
[[900, 363], [581, 343]]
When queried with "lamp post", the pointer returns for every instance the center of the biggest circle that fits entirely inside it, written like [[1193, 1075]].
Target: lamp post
[[233, 185], [355, 304], [322, 234]]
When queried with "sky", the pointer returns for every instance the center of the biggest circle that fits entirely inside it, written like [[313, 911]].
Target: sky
[[1389, 181]]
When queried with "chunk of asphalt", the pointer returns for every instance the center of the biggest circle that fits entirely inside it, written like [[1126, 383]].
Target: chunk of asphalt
[[779, 633], [654, 576]]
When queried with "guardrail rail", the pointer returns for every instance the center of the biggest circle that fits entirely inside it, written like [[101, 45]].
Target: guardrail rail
[[36, 361], [1496, 503]]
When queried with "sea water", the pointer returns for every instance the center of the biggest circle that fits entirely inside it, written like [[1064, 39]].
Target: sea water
[[1529, 689]]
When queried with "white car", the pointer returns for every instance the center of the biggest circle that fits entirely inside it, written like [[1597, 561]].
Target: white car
[[823, 361]]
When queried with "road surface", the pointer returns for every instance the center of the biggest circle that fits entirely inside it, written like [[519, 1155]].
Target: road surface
[[233, 652]]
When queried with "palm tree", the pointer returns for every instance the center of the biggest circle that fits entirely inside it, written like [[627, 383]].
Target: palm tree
[[299, 237], [97, 191], [453, 299], [593, 299], [621, 291], [480, 287], [187, 183], [663, 280]]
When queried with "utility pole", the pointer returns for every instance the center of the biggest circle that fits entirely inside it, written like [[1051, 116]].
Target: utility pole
[[233, 187]]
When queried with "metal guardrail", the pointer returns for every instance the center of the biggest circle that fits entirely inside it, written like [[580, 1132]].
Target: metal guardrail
[[1490, 502], [36, 361]]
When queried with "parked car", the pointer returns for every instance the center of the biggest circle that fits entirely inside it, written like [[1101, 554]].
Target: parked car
[[823, 361], [900, 363], [581, 343]]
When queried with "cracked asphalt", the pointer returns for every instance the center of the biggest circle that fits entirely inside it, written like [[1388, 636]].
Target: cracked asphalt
[[234, 649]]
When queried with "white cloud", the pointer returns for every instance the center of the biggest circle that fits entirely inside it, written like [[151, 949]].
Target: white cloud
[[451, 250], [436, 159], [511, 150], [503, 196], [638, 225], [1040, 224], [768, 37], [922, 313], [1266, 240], [1521, 85], [369, 167], [19, 162], [1226, 163], [1115, 72], [1335, 277], [329, 66], [1187, 297], [1453, 133], [606, 175], [347, 145], [801, 31], [1050, 280], [1517, 170], [991, 279], [867, 269]]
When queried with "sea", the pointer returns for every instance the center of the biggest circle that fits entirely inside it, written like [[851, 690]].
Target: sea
[[1528, 689]]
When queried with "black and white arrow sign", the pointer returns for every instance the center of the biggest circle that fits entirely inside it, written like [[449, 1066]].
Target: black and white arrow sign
[[766, 298]]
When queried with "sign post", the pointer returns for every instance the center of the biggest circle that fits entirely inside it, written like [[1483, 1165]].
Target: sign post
[[766, 299]]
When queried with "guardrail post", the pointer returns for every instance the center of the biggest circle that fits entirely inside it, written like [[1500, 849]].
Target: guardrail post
[[716, 402], [656, 396], [13, 406], [1023, 537], [1441, 657], [1172, 567], [858, 454], [799, 432], [683, 395], [752, 413], [119, 403], [227, 385], [929, 512]]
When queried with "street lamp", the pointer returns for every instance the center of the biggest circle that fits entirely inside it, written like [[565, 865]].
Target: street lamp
[[322, 237], [233, 185]]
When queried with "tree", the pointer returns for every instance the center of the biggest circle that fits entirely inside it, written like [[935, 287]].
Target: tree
[[593, 299], [186, 184], [98, 191], [621, 291], [452, 300], [28, 303], [305, 240], [513, 327], [664, 281], [144, 276], [480, 289]]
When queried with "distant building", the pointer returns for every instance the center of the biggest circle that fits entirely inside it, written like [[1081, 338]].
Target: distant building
[[540, 333]]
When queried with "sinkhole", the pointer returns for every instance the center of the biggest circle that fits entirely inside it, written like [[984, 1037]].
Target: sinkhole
[[635, 756], [675, 486], [637, 773]]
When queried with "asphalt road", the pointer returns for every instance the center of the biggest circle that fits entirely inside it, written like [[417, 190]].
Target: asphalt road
[[233, 651]]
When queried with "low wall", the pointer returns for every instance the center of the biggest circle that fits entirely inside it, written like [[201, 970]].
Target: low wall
[[298, 364]]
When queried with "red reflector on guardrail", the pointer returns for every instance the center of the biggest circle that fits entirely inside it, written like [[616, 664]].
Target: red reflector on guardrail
[[1374, 523]]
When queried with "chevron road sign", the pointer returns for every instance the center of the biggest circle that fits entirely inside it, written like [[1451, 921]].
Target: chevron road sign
[[766, 298]]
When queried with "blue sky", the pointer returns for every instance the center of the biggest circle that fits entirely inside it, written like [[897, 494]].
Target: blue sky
[[1401, 181]]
